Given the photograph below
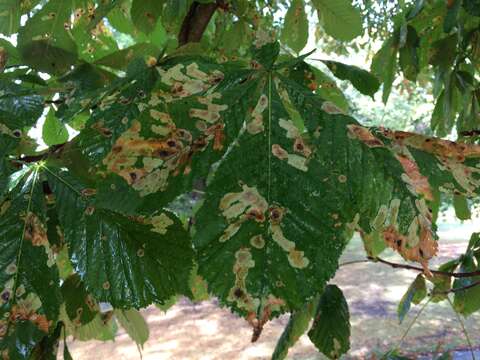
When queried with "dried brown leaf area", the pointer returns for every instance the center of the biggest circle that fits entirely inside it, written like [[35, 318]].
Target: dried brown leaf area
[[300, 152], [418, 244], [187, 80], [250, 205], [36, 233], [25, 306], [147, 162], [451, 157]]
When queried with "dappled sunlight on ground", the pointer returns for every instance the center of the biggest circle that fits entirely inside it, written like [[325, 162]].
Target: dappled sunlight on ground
[[206, 332]]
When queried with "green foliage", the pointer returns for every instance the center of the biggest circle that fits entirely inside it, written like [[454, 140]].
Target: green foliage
[[295, 29], [361, 79], [339, 18], [330, 331], [225, 168], [296, 327], [134, 324], [416, 292], [446, 36], [54, 132]]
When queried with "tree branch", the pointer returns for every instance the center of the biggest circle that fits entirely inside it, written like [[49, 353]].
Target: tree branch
[[416, 268], [454, 290], [196, 21]]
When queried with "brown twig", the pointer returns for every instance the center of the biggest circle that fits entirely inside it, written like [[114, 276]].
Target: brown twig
[[416, 268], [455, 290], [196, 21], [352, 262], [470, 133], [56, 102]]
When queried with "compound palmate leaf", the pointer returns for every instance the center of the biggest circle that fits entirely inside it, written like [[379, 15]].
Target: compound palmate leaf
[[294, 177], [289, 193], [30, 297], [128, 261]]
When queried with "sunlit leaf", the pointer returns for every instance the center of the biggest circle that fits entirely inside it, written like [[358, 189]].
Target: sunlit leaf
[[339, 18]]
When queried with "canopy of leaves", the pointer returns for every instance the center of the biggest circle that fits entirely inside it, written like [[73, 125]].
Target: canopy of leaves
[[224, 166]]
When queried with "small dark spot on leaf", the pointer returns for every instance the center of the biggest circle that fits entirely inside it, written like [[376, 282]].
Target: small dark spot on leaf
[[238, 293]]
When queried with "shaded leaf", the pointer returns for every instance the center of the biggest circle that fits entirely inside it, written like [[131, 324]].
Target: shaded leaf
[[361, 79], [25, 267], [48, 347], [384, 66], [44, 41], [144, 14], [126, 261], [416, 292], [451, 19], [103, 327], [472, 7], [297, 325], [19, 108], [462, 209], [466, 302], [295, 28], [121, 58], [330, 331], [327, 89], [409, 61], [10, 12], [80, 306], [443, 283]]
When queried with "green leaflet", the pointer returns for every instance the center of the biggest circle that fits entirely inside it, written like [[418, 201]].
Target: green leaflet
[[145, 13], [466, 302], [462, 210], [44, 41], [103, 327], [361, 79], [451, 19], [26, 266], [297, 325], [295, 28], [54, 132], [19, 108], [330, 331], [134, 324], [126, 261], [409, 60], [237, 37], [119, 18], [384, 66], [415, 294], [10, 12], [442, 283], [80, 306], [91, 49], [328, 89], [121, 58], [11, 52], [339, 18]]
